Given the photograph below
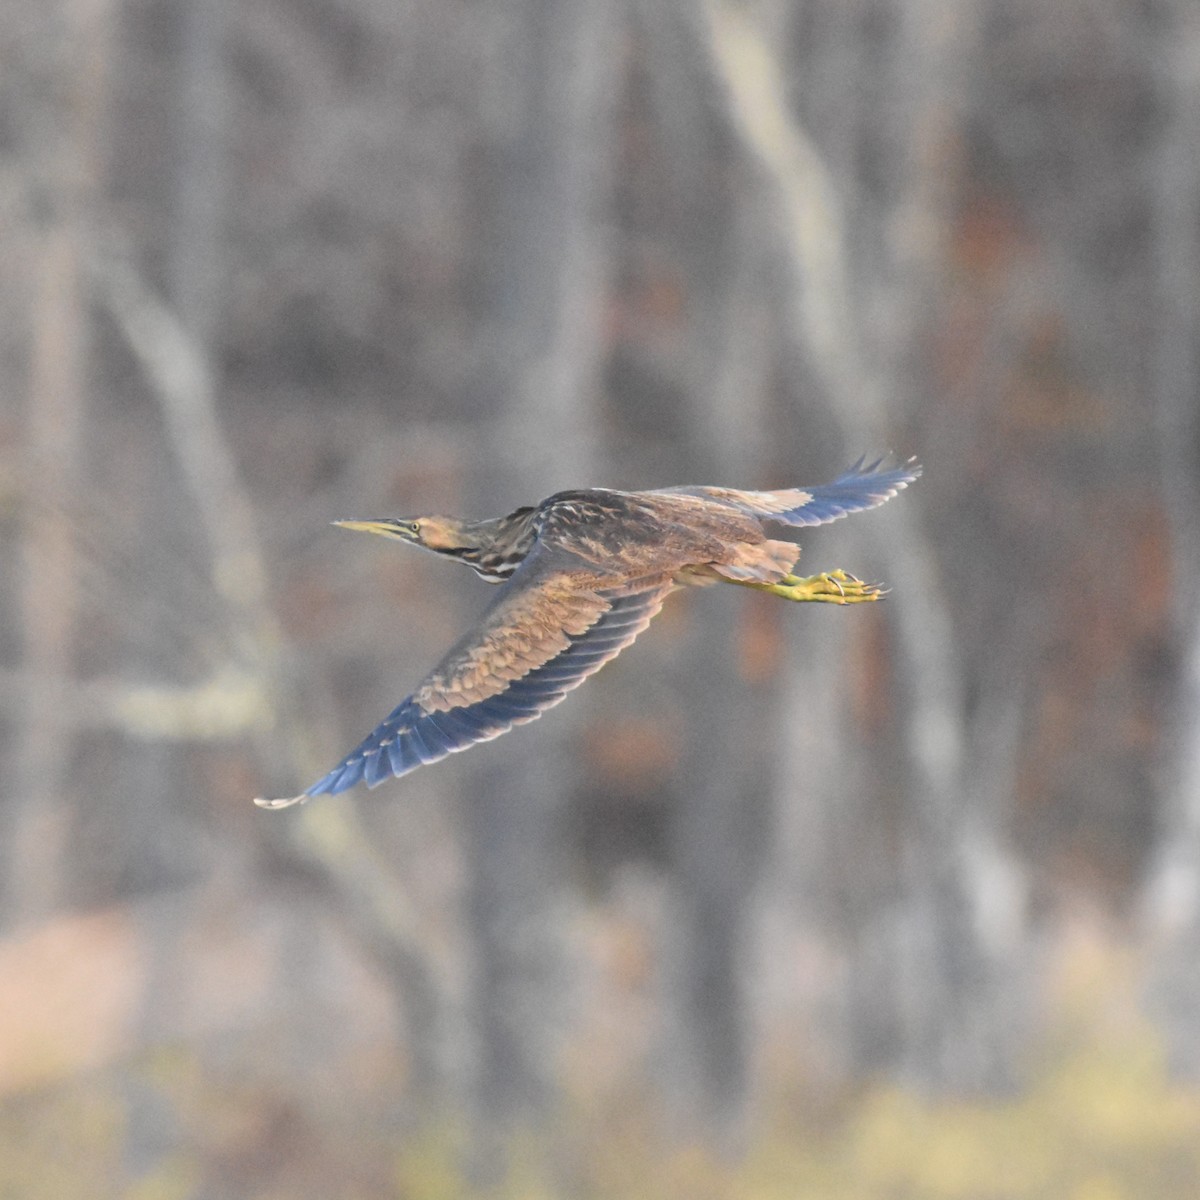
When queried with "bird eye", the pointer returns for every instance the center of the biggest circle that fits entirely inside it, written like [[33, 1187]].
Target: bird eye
[[414, 526]]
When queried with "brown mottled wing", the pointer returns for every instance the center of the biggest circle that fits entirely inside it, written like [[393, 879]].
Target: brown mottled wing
[[549, 629]]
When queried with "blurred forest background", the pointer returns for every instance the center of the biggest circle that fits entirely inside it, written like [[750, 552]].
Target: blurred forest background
[[889, 902]]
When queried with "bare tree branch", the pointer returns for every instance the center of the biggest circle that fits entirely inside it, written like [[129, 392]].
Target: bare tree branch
[[181, 383]]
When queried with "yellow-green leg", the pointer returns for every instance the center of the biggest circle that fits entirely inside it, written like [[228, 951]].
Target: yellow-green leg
[[830, 587]]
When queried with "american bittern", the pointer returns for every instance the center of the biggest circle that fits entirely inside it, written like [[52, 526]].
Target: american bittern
[[586, 571]]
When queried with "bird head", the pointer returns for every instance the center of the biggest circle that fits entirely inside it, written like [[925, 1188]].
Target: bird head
[[443, 535], [492, 548]]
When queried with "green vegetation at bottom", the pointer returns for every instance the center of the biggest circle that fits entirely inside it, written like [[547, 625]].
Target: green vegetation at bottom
[[1099, 1120]]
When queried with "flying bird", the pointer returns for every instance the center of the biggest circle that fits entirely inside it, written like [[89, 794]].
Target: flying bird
[[584, 573]]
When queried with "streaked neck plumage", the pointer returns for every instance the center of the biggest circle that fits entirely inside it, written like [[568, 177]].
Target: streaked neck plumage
[[493, 549]]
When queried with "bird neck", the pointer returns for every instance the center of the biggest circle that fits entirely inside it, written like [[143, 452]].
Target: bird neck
[[495, 548]]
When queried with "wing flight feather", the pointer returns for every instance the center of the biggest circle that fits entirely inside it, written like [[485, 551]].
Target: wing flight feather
[[544, 635], [864, 485]]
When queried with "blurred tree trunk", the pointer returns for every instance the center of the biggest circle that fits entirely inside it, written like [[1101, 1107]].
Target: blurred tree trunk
[[830, 869], [155, 770], [721, 790], [1173, 895], [54, 463], [724, 773], [958, 919], [547, 115], [197, 264], [940, 965]]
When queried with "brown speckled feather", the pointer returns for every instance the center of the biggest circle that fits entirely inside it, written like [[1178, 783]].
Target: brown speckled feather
[[541, 616]]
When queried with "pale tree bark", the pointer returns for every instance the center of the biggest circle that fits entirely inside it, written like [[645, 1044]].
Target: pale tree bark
[[547, 116], [57, 403], [1173, 891], [944, 967]]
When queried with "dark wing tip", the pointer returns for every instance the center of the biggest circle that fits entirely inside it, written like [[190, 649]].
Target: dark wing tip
[[874, 474], [862, 486], [410, 737], [394, 747]]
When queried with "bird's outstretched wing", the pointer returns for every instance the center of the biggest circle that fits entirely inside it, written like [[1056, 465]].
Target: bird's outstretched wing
[[542, 636], [863, 486]]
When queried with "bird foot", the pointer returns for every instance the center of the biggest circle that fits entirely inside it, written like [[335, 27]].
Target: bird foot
[[829, 587]]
